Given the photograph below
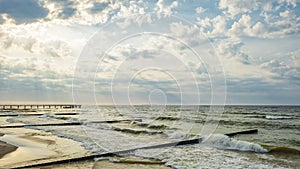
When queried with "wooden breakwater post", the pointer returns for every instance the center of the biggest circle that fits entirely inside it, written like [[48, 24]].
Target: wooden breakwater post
[[68, 123], [38, 106]]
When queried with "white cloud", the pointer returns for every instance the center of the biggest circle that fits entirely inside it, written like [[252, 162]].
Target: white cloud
[[6, 19], [182, 30], [258, 29], [203, 23], [241, 27], [219, 26], [232, 49], [40, 49], [235, 7], [56, 48], [165, 9], [285, 67]]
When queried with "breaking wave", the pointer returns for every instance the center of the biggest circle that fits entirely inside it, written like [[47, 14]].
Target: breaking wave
[[221, 141], [277, 117]]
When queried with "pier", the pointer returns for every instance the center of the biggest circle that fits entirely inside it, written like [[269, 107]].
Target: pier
[[38, 106]]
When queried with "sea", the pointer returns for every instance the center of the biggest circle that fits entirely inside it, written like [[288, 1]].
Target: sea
[[115, 128]]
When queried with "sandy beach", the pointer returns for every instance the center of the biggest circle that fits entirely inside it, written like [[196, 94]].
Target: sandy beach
[[21, 147], [27, 146]]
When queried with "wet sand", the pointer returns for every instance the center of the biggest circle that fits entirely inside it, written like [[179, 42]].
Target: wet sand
[[6, 148], [135, 163]]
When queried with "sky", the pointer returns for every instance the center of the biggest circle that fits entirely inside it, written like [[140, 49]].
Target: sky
[[150, 52]]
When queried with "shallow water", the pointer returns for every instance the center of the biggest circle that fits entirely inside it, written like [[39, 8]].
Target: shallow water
[[276, 145]]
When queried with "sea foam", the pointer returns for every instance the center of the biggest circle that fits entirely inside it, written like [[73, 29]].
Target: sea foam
[[277, 117], [221, 141]]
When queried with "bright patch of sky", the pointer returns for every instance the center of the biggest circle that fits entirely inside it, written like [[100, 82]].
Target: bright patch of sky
[[150, 52]]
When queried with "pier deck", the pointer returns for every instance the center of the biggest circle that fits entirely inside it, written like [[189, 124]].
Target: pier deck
[[38, 106]]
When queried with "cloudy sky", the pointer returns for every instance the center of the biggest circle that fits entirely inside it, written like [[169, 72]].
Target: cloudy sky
[[162, 52]]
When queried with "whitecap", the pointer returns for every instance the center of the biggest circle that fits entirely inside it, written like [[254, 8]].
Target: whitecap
[[277, 117], [221, 141]]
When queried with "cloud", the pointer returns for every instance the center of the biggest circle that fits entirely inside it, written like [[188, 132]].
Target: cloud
[[285, 67], [40, 41], [31, 75], [6, 41], [235, 7], [232, 49], [26, 43], [180, 29], [23, 11], [260, 18], [219, 25], [56, 48], [165, 7], [245, 26], [53, 48]]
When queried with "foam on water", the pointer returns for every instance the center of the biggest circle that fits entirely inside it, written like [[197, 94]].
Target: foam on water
[[195, 156], [277, 117], [224, 142]]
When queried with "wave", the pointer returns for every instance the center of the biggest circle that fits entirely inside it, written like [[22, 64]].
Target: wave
[[270, 124], [150, 126], [157, 126], [170, 118], [136, 131], [270, 117], [221, 141]]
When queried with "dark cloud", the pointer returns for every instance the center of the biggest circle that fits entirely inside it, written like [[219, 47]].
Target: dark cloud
[[23, 10]]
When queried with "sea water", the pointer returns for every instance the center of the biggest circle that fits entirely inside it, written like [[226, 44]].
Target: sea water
[[277, 145]]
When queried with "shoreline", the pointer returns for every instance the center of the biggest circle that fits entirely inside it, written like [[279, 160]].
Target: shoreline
[[22, 147], [29, 146]]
